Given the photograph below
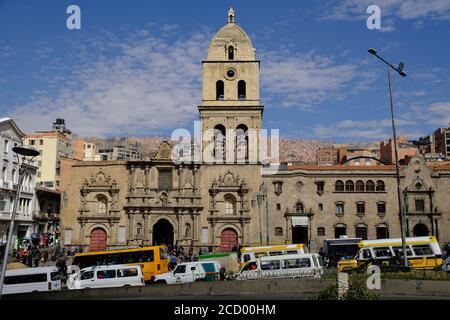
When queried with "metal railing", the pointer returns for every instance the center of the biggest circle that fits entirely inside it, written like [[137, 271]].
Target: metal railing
[[280, 273]]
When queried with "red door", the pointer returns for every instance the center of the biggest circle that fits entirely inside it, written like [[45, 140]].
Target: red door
[[228, 240], [98, 240]]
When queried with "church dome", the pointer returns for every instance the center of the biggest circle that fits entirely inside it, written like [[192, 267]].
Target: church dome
[[231, 35]]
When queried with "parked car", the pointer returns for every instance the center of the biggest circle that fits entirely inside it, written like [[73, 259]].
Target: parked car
[[106, 276], [191, 271], [31, 280], [283, 266]]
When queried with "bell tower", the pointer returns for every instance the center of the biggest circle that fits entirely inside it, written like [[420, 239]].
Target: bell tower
[[231, 105]]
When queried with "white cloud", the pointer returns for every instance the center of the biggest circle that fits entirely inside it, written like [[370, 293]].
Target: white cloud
[[438, 114], [302, 80], [403, 9], [136, 86]]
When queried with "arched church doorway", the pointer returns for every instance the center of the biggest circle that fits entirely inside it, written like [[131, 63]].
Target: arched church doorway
[[228, 240], [420, 230], [98, 240], [163, 233]]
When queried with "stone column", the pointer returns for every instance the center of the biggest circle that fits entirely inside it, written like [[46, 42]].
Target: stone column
[[195, 174], [147, 179], [180, 174], [342, 285]]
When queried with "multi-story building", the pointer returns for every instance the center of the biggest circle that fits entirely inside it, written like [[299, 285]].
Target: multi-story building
[[59, 142], [220, 204], [11, 136], [118, 153], [442, 141], [406, 149], [327, 155]]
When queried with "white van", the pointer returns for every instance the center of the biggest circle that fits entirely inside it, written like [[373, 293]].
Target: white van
[[191, 271], [106, 277], [284, 266], [31, 280]]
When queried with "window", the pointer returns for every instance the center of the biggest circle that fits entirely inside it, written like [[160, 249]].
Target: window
[[241, 90], [366, 254], [278, 231], [320, 186], [270, 265], [383, 252], [275, 253], [32, 142], [230, 205], [420, 205], [278, 206], [360, 207], [102, 204], [370, 186], [381, 206], [138, 229], [299, 208], [6, 146], [380, 185], [41, 142], [340, 231], [219, 143], [4, 174], [247, 257], [349, 186], [361, 232], [29, 278], [106, 274], [339, 208], [127, 273], [339, 186], [241, 142], [220, 90], [423, 250], [180, 269], [54, 276], [230, 53], [399, 251], [250, 266], [320, 231], [87, 275], [359, 186], [297, 263], [382, 232], [321, 206]]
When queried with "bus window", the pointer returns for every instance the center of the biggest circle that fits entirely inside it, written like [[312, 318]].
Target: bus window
[[270, 265], [423, 250], [163, 253], [250, 266], [106, 274], [292, 252], [366, 254], [180, 269], [297, 263], [54, 276], [127, 273], [275, 253], [399, 251], [87, 275], [29, 278], [246, 257], [260, 254], [382, 252]]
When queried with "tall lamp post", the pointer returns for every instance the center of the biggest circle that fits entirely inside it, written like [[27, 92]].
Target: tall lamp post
[[25, 156], [399, 69], [260, 198]]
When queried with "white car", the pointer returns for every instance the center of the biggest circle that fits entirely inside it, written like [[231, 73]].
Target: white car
[[190, 271], [31, 280], [106, 277]]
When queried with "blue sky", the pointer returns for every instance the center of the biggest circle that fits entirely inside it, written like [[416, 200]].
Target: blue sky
[[134, 68]]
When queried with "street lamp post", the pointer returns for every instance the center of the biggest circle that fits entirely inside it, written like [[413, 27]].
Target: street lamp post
[[399, 69], [259, 198], [27, 153]]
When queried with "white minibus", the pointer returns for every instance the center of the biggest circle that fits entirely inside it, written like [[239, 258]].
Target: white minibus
[[283, 266], [106, 277], [31, 280]]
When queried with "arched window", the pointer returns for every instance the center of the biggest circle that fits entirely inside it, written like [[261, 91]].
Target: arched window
[[14, 176], [102, 204], [220, 90], [278, 231], [187, 230], [380, 185], [370, 186], [359, 186], [349, 185], [230, 204], [241, 143], [4, 174], [339, 186], [138, 229], [241, 90], [219, 142], [230, 51], [299, 207]]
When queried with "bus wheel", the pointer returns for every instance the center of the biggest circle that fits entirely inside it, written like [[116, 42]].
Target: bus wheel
[[127, 285], [161, 282]]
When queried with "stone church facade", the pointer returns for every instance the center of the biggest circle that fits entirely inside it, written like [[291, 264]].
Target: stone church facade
[[219, 205]]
